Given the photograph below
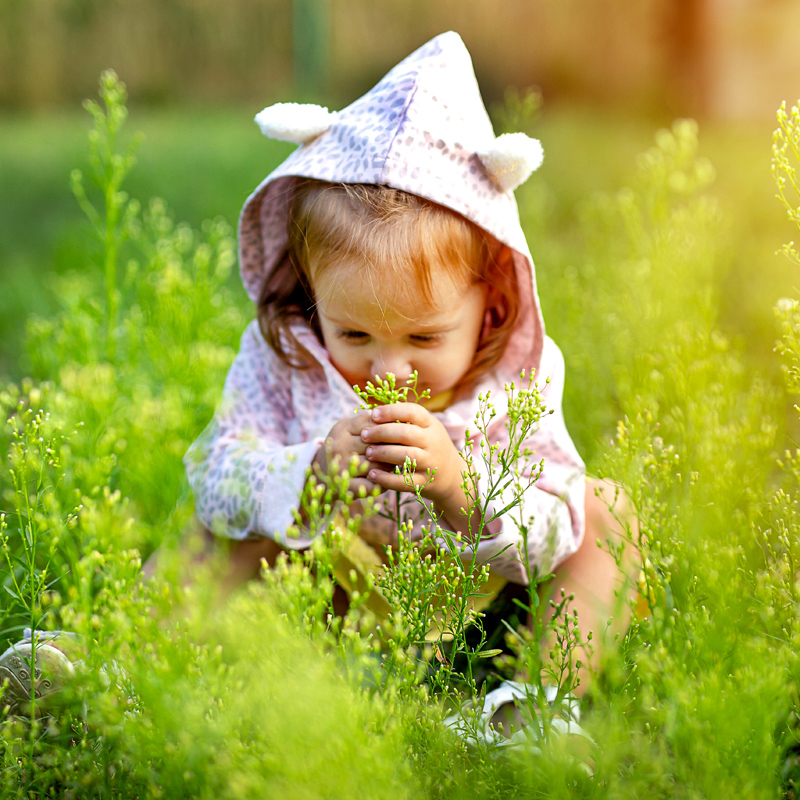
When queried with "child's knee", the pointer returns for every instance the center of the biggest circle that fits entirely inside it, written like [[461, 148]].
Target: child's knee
[[608, 510], [245, 558], [610, 519], [241, 561], [230, 563]]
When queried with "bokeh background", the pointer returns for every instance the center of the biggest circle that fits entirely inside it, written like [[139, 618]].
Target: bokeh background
[[610, 74]]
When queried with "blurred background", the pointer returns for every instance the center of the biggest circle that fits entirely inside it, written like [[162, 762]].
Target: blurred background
[[720, 58], [609, 74]]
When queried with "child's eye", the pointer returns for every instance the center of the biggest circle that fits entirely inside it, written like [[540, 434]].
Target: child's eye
[[425, 338], [353, 336]]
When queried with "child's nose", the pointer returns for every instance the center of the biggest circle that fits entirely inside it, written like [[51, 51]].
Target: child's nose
[[396, 363]]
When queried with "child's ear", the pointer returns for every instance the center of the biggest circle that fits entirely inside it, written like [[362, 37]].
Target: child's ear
[[505, 258], [499, 278], [501, 268]]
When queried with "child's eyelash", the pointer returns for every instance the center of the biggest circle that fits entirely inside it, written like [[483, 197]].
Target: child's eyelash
[[418, 338]]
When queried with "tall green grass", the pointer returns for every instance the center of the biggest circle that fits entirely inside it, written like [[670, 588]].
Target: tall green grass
[[202, 162], [264, 696]]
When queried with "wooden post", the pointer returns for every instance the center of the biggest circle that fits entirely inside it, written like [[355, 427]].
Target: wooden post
[[686, 35]]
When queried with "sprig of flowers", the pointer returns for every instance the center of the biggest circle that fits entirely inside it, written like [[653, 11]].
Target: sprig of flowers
[[786, 142], [384, 392]]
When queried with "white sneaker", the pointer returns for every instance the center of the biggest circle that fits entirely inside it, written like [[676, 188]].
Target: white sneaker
[[475, 728], [41, 667]]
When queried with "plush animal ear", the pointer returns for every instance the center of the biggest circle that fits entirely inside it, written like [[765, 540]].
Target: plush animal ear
[[511, 159], [295, 122]]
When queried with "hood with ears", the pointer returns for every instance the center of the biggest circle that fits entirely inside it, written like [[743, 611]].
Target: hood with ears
[[422, 129]]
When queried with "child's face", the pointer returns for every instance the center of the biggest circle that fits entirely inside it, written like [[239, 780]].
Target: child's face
[[369, 332]]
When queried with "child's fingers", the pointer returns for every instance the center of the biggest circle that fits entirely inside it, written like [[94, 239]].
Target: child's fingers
[[391, 481], [402, 412], [392, 433], [344, 439], [364, 487], [345, 443], [358, 422], [396, 455], [355, 444], [381, 465]]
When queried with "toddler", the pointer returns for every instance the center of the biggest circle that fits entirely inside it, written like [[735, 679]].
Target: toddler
[[390, 242]]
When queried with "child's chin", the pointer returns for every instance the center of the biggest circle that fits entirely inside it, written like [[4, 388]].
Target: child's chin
[[438, 401]]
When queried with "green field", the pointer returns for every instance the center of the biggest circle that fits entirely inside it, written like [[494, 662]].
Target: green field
[[659, 280], [202, 163]]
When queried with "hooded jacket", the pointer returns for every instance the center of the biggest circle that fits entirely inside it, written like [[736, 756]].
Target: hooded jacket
[[421, 130]]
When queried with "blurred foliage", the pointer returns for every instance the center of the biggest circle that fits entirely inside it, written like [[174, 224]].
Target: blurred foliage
[[265, 696], [51, 52], [204, 164], [192, 51]]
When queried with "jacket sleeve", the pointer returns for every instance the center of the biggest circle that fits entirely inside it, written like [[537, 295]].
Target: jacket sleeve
[[246, 477], [550, 517]]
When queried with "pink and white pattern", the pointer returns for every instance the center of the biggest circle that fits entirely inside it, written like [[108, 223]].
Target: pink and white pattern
[[418, 130]]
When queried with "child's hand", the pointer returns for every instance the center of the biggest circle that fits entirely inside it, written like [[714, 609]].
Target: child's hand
[[342, 444], [408, 430]]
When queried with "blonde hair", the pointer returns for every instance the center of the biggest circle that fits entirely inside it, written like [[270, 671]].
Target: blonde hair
[[404, 238]]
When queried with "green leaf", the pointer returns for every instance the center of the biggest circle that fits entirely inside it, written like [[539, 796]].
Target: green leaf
[[13, 593]]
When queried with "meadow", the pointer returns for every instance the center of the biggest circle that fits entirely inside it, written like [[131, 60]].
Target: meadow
[[655, 249]]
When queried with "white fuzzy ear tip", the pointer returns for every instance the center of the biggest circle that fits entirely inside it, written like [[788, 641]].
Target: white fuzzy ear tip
[[511, 159], [294, 122]]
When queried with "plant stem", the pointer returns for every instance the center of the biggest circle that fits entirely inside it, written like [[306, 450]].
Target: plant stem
[[110, 259], [397, 510]]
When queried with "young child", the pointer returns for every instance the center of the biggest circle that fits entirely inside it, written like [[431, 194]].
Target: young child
[[390, 242]]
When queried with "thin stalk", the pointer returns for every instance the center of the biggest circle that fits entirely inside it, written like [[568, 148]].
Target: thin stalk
[[110, 263], [110, 244]]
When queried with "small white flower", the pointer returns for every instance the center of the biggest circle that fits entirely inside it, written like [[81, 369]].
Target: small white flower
[[294, 122], [511, 159]]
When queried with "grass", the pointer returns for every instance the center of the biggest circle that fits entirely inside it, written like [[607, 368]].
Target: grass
[[203, 163], [660, 289]]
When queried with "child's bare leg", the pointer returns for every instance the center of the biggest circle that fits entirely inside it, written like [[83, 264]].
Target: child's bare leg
[[247, 559], [601, 590], [237, 562]]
